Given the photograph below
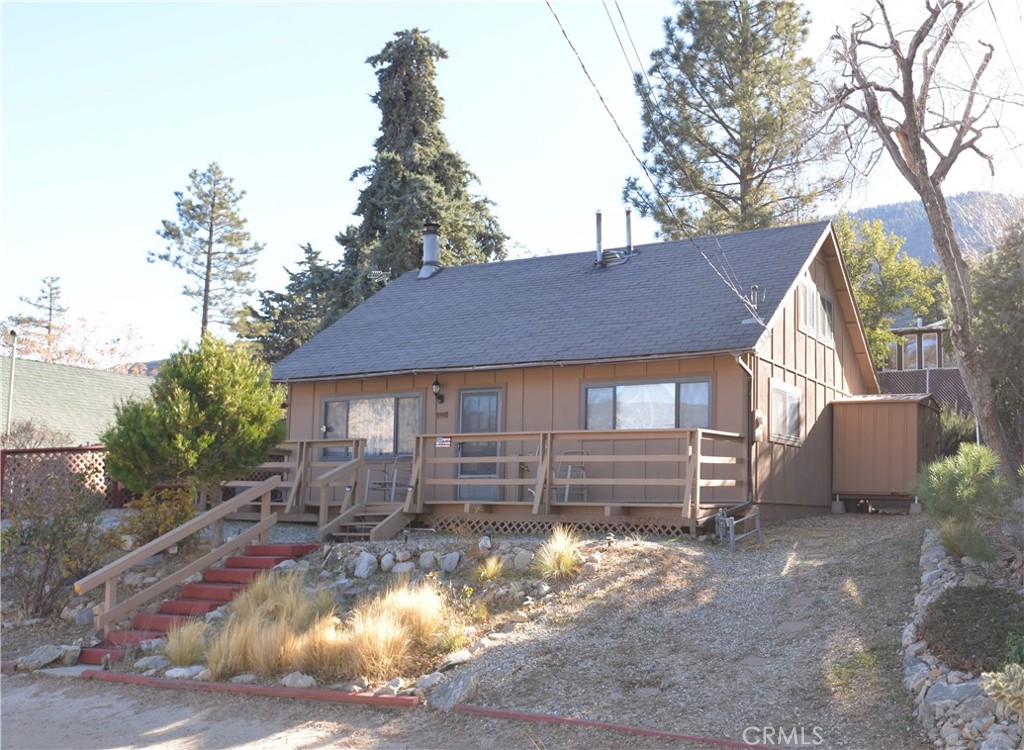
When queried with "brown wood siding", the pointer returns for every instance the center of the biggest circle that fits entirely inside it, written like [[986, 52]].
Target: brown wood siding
[[795, 479], [880, 446], [546, 398]]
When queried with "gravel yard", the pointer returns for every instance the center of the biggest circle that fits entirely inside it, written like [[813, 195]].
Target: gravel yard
[[800, 633]]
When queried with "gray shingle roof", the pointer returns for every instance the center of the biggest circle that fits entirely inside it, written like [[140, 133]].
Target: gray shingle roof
[[75, 400], [557, 309]]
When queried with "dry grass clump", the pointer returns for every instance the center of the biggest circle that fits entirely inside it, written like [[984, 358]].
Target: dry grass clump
[[186, 644], [277, 626], [559, 557], [489, 569]]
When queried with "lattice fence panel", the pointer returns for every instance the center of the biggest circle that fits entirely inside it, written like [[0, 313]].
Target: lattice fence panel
[[28, 469], [477, 524]]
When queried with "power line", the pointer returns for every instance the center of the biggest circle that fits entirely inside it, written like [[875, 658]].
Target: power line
[[746, 302]]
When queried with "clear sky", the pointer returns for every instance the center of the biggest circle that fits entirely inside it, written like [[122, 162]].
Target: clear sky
[[107, 107]]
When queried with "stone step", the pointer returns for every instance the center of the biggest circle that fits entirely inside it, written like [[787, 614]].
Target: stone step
[[219, 592], [95, 654], [160, 621], [255, 561], [288, 550], [123, 637], [188, 606], [232, 575]]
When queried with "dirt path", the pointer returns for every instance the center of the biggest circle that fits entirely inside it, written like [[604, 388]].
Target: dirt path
[[801, 633]]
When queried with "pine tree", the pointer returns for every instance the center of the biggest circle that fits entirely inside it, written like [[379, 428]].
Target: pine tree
[[314, 297], [211, 245], [729, 120], [40, 332], [414, 177]]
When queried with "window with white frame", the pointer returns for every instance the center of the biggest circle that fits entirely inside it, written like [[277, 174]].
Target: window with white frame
[[648, 406], [786, 421], [826, 320], [388, 423], [807, 308]]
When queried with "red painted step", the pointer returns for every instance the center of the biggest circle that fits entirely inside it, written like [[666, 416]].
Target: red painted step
[[255, 561], [189, 606], [95, 654], [232, 575], [123, 637], [161, 621], [219, 592], [290, 550]]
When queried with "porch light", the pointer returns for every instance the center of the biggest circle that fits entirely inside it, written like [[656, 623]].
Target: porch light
[[436, 388]]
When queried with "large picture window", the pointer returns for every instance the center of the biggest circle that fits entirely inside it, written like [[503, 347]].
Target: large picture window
[[649, 406], [388, 423], [786, 420]]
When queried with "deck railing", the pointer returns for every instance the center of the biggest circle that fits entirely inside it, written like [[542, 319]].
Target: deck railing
[[669, 469], [108, 575]]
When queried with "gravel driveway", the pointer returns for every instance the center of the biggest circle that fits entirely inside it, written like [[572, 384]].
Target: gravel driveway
[[799, 634]]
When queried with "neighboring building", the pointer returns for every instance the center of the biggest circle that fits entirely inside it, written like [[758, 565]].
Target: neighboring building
[[923, 361], [77, 401], [638, 390]]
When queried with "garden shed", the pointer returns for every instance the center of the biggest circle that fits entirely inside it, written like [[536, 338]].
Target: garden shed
[[880, 442]]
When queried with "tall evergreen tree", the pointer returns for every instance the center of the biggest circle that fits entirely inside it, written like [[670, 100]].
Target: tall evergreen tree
[[314, 297], [210, 244], [40, 332], [729, 120], [415, 176]]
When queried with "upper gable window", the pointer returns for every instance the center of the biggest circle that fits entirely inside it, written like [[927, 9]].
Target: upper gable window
[[786, 420], [826, 321], [807, 308]]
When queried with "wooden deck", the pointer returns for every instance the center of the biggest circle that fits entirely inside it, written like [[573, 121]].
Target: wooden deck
[[673, 479]]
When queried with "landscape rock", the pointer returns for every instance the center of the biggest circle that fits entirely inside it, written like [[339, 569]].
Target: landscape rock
[[286, 565], [428, 560], [450, 562], [449, 694], [152, 662], [70, 654], [403, 555], [184, 673], [387, 562], [205, 676], [83, 616], [213, 615], [298, 680], [39, 658], [522, 559], [390, 688], [244, 679], [404, 567], [454, 659], [366, 565], [428, 681], [998, 742]]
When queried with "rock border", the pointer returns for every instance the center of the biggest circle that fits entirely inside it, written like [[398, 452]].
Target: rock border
[[951, 706]]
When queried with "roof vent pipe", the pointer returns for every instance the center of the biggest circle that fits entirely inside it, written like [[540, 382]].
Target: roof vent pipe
[[598, 219], [431, 251], [629, 231]]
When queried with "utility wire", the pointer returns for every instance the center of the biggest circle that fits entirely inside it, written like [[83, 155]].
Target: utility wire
[[746, 302]]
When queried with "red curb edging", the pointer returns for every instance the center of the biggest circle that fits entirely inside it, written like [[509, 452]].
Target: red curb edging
[[334, 696], [8, 666], [500, 713]]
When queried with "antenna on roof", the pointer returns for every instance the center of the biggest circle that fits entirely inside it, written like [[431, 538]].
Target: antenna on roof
[[379, 277]]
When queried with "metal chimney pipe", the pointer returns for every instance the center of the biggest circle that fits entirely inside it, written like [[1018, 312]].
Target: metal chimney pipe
[[598, 219], [629, 231], [431, 251]]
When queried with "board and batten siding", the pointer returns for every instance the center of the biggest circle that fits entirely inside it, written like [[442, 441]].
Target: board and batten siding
[[538, 398], [793, 478]]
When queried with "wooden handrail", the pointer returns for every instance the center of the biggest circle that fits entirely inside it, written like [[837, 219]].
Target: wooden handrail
[[108, 574]]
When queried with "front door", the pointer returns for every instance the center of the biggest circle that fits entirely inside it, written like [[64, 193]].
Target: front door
[[479, 411]]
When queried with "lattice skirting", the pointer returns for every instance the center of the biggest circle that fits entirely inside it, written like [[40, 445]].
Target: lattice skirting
[[477, 523]]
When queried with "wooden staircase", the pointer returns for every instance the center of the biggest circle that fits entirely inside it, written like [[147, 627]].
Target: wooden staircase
[[368, 523], [219, 586]]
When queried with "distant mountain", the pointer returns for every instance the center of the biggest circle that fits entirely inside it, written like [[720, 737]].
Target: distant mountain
[[979, 220]]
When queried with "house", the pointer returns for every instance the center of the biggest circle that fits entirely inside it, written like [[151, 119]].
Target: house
[[643, 387], [75, 401], [923, 361]]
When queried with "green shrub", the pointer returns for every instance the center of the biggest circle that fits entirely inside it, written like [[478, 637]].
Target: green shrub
[[954, 428], [1014, 649], [968, 628], [51, 540], [964, 493], [158, 513]]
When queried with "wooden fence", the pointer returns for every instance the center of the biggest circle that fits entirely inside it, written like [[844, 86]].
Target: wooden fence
[[22, 469]]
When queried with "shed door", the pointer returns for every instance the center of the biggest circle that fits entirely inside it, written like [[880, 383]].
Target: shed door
[[479, 411]]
